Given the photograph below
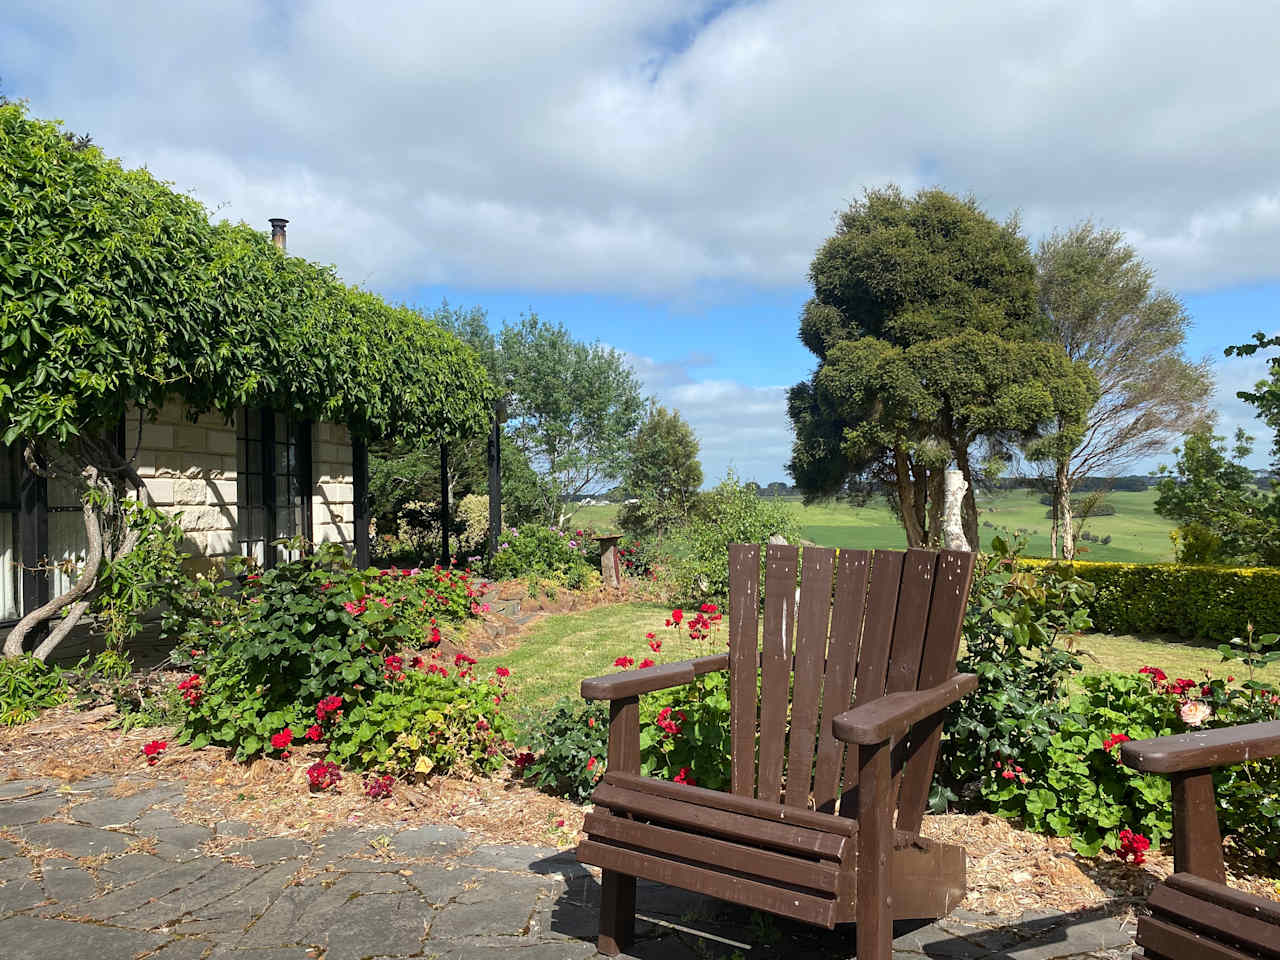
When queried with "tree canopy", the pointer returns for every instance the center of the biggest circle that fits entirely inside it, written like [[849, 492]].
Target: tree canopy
[[573, 409], [1099, 299], [930, 341], [118, 291], [663, 474]]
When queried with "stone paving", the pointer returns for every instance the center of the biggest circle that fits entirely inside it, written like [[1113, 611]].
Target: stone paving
[[87, 874]]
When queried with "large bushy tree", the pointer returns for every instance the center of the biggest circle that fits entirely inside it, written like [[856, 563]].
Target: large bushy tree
[[118, 293], [574, 408], [931, 351], [663, 474], [1101, 304]]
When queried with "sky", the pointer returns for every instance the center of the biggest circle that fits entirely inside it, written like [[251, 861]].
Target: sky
[[658, 175]]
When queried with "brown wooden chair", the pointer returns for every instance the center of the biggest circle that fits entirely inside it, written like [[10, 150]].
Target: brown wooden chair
[[1194, 914], [794, 837]]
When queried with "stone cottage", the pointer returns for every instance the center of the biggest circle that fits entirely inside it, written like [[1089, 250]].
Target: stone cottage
[[237, 486]]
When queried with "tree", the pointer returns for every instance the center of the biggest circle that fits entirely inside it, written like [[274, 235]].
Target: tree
[[573, 411], [1265, 395], [1221, 513], [663, 474], [1099, 299], [930, 343]]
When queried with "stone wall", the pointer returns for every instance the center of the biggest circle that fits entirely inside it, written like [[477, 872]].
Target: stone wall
[[190, 468], [333, 492]]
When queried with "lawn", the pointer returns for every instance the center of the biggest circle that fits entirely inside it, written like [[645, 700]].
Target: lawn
[[1137, 534], [557, 653]]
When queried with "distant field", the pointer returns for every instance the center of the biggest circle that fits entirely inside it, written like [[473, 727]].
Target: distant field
[[1137, 534]]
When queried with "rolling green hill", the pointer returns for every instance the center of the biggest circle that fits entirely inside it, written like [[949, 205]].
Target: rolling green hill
[[1137, 534]]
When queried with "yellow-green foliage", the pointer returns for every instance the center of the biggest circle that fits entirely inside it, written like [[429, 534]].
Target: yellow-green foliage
[[1189, 600]]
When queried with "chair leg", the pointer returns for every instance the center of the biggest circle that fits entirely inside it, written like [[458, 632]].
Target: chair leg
[[617, 912]]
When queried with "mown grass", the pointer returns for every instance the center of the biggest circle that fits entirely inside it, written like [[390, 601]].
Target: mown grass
[[560, 651], [1137, 534]]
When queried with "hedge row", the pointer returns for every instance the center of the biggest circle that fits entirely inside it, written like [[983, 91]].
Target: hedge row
[[1188, 600]]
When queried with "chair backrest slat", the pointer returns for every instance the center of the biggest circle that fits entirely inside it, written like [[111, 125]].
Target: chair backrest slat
[[744, 612], [812, 620], [847, 611], [781, 561], [941, 646], [891, 624], [873, 655], [908, 638]]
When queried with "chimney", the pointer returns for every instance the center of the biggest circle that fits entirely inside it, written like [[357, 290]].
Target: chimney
[[277, 232]]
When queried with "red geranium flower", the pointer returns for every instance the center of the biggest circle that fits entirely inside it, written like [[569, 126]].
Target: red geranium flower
[[1114, 740], [323, 776], [623, 662], [313, 733], [282, 739], [502, 671], [676, 616], [153, 750], [646, 662]]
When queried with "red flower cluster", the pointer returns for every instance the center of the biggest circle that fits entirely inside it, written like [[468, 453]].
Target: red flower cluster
[[669, 726], [683, 777], [1133, 846], [646, 662], [1114, 741], [282, 741], [1157, 675], [1011, 772], [153, 750], [329, 707], [523, 760], [378, 787], [314, 733], [190, 688], [323, 776], [502, 672], [395, 667], [623, 662], [436, 668]]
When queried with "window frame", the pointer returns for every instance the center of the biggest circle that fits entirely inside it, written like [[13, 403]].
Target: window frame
[[300, 478]]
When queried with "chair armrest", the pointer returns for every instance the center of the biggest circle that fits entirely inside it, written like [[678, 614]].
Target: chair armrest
[[1201, 750], [632, 683], [891, 716]]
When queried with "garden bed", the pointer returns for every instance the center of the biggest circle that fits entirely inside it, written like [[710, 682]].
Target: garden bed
[[1010, 870]]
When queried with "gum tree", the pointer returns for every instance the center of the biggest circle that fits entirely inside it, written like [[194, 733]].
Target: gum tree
[[1101, 304]]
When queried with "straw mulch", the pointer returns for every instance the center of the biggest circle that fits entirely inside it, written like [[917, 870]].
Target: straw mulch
[[1010, 870]]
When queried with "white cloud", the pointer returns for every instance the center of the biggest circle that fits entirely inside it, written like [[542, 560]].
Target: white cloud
[[570, 146], [739, 427]]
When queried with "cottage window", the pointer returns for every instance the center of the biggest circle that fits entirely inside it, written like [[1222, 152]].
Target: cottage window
[[273, 483]]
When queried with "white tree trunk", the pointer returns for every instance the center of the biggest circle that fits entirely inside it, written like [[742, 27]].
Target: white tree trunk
[[953, 537]]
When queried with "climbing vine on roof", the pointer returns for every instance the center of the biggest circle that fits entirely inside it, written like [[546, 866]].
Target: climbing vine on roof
[[117, 291]]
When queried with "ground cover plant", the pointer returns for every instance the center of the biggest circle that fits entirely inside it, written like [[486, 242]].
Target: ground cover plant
[[542, 552], [317, 651]]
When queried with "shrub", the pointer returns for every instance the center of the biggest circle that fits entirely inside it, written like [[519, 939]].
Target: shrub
[[541, 552], [684, 731], [1076, 787], [427, 719], [568, 747], [471, 524], [306, 651], [731, 513], [27, 686], [1013, 626], [1190, 601]]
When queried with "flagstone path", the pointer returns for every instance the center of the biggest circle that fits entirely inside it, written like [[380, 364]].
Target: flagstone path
[[87, 874]]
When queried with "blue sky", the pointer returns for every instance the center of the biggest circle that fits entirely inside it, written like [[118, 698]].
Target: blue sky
[[658, 175]]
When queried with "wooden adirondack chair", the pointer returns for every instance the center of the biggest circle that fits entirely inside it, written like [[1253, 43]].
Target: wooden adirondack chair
[[794, 837], [1194, 914]]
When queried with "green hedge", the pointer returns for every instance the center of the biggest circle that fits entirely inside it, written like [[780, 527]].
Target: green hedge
[[1187, 600]]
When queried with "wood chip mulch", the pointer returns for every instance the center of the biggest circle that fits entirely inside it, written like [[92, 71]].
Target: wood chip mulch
[[1009, 870]]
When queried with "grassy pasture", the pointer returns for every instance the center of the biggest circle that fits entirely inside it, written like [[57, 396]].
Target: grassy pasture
[[1137, 534]]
